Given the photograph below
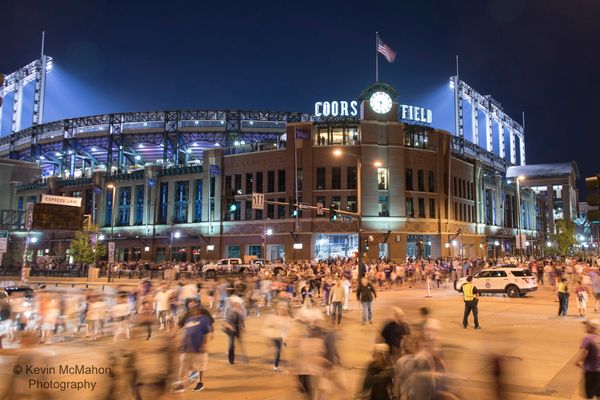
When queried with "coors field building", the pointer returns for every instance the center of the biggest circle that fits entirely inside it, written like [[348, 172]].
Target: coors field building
[[178, 185]]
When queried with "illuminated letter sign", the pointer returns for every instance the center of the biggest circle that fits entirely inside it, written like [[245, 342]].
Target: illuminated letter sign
[[418, 114], [336, 109]]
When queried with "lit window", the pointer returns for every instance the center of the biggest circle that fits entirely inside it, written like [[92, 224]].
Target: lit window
[[382, 179]]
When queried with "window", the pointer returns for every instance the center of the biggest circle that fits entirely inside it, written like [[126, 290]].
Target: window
[[382, 179], [384, 206], [299, 177], [124, 203], [270, 181], [410, 211], [164, 199], [181, 201], [483, 274], [421, 180], [321, 136], [336, 178], [271, 211], [337, 136], [454, 187], [238, 184], [431, 182], [109, 207], [281, 180], [409, 179], [431, 208], [416, 139], [524, 272], [255, 250], [248, 210], [139, 204], [233, 251], [497, 274], [228, 182], [351, 204], [259, 182], [421, 207], [281, 209], [321, 178], [337, 200], [321, 199], [249, 182], [198, 201], [351, 178]]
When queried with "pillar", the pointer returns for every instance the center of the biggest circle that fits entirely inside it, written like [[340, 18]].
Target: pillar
[[513, 150], [475, 123], [501, 139], [522, 148], [489, 144]]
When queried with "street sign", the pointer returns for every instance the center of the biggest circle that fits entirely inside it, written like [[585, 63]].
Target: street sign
[[3, 241], [303, 206], [56, 217], [111, 252], [61, 200], [320, 209], [258, 201], [29, 216]]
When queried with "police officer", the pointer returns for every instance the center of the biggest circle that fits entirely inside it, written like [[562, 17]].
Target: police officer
[[470, 296]]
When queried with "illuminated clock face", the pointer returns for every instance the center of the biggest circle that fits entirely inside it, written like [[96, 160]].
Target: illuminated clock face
[[380, 102]]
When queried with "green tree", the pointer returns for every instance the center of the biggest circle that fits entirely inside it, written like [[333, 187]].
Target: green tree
[[83, 250], [565, 236]]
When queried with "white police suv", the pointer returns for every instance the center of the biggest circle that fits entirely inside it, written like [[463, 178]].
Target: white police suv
[[512, 281]]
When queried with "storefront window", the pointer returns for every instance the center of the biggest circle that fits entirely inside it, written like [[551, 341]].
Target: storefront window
[[384, 206], [255, 250], [233, 251], [335, 245]]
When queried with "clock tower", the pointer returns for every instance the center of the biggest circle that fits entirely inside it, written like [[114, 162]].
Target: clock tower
[[378, 103]]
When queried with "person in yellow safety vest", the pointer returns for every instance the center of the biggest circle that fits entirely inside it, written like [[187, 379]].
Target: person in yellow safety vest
[[470, 294], [563, 297]]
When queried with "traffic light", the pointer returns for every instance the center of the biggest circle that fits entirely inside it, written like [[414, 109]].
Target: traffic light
[[333, 215], [232, 207], [365, 245]]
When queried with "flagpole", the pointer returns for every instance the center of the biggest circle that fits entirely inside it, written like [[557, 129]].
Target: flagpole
[[376, 57]]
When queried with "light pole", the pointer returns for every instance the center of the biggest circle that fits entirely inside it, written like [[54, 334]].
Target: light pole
[[339, 153], [112, 224], [519, 219]]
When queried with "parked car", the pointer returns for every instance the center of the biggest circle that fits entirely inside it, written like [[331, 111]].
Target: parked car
[[512, 281], [228, 266]]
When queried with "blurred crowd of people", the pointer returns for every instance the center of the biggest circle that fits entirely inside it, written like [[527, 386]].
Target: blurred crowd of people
[[302, 311]]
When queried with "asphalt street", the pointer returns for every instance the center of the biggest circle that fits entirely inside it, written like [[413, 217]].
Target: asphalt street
[[537, 348]]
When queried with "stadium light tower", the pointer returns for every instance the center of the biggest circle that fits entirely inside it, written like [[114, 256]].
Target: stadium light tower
[[15, 83]]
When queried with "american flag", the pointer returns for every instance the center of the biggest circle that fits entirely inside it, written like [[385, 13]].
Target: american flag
[[384, 49]]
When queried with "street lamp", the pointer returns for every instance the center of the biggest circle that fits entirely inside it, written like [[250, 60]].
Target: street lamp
[[112, 223], [339, 153], [519, 218]]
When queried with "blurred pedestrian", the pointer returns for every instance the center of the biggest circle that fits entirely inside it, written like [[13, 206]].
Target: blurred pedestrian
[[562, 290], [194, 358], [377, 384], [276, 327], [365, 293], [582, 298], [337, 297], [233, 327], [588, 358], [393, 333]]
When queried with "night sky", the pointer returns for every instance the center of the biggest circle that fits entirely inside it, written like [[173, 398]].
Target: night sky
[[541, 57]]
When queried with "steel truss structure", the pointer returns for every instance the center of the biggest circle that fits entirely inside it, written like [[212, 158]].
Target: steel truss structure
[[15, 83], [123, 140], [493, 113]]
